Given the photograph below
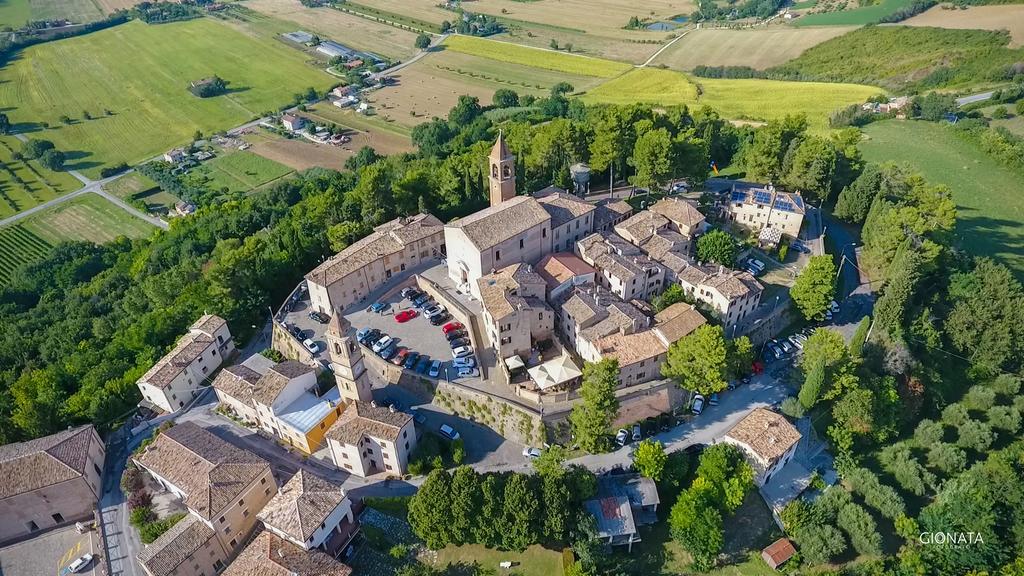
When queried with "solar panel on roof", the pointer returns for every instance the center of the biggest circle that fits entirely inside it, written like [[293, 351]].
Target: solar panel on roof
[[762, 197], [782, 205], [798, 201], [739, 196]]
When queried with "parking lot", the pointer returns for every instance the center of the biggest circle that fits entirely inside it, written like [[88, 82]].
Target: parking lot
[[50, 553], [417, 334]]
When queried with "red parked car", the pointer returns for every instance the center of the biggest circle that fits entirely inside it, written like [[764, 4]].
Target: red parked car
[[452, 326], [406, 315]]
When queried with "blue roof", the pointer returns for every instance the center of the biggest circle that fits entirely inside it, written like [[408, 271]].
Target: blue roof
[[739, 196], [763, 197], [307, 411]]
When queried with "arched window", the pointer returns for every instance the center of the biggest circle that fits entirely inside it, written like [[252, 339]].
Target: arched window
[[494, 170], [506, 171]]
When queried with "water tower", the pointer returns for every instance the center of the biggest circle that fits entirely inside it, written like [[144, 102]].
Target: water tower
[[580, 178]]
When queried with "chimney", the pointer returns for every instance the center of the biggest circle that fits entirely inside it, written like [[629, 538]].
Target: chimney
[[373, 403], [721, 269], [280, 553], [391, 408]]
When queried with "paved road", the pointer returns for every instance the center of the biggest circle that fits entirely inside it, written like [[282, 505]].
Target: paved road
[[663, 48], [979, 97], [434, 42], [121, 539]]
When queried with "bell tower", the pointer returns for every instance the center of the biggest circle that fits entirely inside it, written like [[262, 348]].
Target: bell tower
[[347, 361], [502, 173]]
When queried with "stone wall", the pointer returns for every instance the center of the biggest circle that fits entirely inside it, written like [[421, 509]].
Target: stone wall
[[507, 419], [285, 343]]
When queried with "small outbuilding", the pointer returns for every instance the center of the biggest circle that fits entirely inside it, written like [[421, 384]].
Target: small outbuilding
[[778, 553]]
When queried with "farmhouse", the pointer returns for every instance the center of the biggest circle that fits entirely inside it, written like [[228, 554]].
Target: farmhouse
[[284, 399], [49, 481], [176, 156], [754, 207], [223, 488], [767, 439], [515, 313], [292, 122], [393, 247], [177, 377], [368, 439], [313, 513]]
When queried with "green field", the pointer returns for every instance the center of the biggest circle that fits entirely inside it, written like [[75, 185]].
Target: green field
[[238, 172], [77, 11], [130, 185], [734, 99], [18, 247], [88, 218], [24, 184], [140, 73], [990, 218], [14, 13], [537, 58], [855, 17]]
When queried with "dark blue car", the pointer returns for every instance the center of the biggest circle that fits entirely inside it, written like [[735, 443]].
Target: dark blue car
[[411, 360], [423, 364]]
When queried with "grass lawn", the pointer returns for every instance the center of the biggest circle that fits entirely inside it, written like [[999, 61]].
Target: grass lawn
[[14, 13], [856, 17], [89, 218], [990, 209], [734, 99], [534, 561], [238, 171], [24, 183], [129, 185], [140, 73], [19, 246], [537, 58]]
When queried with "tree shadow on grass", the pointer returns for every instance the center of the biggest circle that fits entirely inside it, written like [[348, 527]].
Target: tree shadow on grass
[[76, 160]]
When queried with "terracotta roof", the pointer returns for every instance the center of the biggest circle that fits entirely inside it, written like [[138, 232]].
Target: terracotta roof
[[175, 546], [271, 555], [186, 351], [209, 471], [600, 243], [560, 267], [733, 283], [767, 434], [778, 552], [641, 226], [506, 290], [619, 317], [238, 381], [495, 224], [692, 274], [631, 348], [209, 324], [276, 379], [302, 505], [676, 321], [564, 207], [364, 419], [386, 239], [609, 212], [28, 466], [663, 242], [680, 212]]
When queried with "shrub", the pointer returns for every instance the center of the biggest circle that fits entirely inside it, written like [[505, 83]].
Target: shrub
[[793, 408], [929, 432], [153, 530], [947, 457], [827, 505], [979, 398], [899, 461], [820, 543], [861, 528], [141, 516], [458, 451], [975, 435], [1004, 417], [139, 499], [399, 551], [955, 414], [883, 498], [131, 480]]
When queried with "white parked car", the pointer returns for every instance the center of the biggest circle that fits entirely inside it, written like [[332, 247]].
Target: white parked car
[[313, 347], [467, 372], [80, 563], [622, 436], [435, 310], [449, 432], [382, 344], [797, 340], [462, 352], [530, 452], [698, 404], [833, 306], [786, 347], [755, 264], [467, 362]]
